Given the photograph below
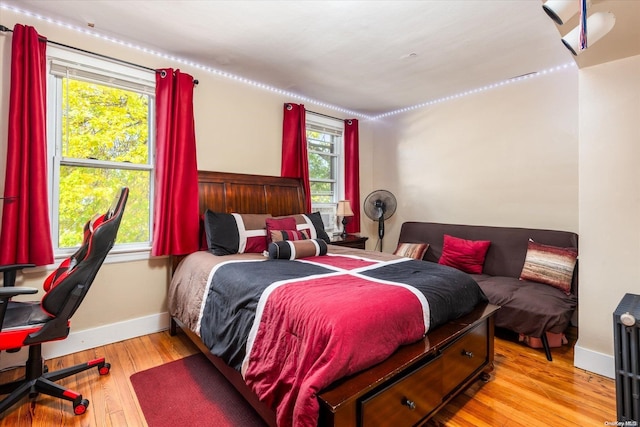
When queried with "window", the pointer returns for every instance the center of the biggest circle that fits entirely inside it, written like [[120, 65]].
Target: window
[[326, 166], [100, 124]]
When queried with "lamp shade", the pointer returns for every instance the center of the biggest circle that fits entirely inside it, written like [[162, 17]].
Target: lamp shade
[[562, 10], [344, 208], [598, 25]]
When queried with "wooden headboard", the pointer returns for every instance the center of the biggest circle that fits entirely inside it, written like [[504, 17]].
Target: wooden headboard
[[243, 193]]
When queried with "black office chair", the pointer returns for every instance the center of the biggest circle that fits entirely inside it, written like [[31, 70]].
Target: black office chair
[[33, 323]]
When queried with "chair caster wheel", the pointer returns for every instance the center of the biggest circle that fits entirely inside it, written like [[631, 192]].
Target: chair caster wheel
[[104, 369], [81, 407]]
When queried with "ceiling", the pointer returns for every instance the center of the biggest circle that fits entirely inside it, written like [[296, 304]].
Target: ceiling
[[369, 57]]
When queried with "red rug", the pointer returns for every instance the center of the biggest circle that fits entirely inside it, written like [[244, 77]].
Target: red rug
[[191, 392]]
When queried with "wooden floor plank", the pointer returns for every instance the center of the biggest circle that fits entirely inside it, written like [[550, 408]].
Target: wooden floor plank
[[525, 389]]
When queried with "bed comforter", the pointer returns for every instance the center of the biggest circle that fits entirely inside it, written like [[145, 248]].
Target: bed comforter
[[294, 327]]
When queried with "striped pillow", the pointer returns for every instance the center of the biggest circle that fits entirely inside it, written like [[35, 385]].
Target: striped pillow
[[278, 235], [294, 249], [411, 250], [550, 265]]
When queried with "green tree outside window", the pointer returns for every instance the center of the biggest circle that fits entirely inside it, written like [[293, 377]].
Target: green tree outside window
[[105, 146]]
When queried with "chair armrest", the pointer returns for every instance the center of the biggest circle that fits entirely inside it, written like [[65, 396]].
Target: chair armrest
[[10, 292], [9, 272], [14, 267]]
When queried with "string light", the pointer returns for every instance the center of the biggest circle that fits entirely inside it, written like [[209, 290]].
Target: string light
[[279, 91], [474, 91]]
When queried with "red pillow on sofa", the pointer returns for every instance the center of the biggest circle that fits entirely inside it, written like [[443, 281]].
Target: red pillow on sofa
[[465, 255]]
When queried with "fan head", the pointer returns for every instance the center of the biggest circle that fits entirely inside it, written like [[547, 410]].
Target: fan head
[[380, 204]]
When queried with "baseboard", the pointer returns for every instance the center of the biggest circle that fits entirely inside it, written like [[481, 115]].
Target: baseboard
[[91, 338], [593, 361]]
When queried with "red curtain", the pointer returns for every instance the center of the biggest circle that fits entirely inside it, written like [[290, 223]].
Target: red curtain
[[26, 231], [352, 172], [176, 226], [295, 163]]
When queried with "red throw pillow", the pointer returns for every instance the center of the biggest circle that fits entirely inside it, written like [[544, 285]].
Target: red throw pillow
[[204, 245], [275, 224], [465, 255]]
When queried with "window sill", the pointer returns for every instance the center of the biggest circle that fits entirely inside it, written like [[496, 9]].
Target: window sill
[[116, 256]]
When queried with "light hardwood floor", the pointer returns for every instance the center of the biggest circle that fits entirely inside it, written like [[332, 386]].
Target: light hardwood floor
[[525, 389]]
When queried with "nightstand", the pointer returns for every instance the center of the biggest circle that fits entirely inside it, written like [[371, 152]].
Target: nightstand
[[351, 241]]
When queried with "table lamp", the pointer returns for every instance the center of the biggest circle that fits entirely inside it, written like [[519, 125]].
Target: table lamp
[[344, 211]]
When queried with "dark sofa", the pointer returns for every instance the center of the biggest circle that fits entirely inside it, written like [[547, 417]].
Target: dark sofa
[[528, 308]]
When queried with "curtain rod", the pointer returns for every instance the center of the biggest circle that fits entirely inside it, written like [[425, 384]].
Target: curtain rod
[[9, 30], [325, 115]]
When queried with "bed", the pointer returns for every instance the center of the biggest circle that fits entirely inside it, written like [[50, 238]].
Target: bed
[[365, 375]]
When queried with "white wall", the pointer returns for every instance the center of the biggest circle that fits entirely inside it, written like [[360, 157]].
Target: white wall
[[506, 157], [609, 204]]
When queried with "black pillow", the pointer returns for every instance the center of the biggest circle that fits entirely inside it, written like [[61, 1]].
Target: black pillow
[[222, 233], [232, 233], [316, 220]]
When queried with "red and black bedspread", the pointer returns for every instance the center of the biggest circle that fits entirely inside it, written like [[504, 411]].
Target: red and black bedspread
[[294, 327]]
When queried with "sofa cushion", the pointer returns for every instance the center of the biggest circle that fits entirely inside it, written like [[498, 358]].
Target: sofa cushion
[[465, 255], [529, 310], [411, 250], [550, 265]]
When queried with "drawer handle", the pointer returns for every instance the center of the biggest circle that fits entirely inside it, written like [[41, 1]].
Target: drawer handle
[[409, 403], [469, 354]]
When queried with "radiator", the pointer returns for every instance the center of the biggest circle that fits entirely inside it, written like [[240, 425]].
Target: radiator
[[626, 331]]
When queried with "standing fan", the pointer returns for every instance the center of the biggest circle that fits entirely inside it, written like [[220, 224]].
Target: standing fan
[[379, 206]]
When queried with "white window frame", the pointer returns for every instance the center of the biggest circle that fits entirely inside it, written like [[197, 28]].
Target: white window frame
[[82, 66], [318, 122]]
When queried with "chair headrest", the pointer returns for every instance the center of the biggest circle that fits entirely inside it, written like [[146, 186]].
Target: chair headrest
[[117, 206], [105, 227], [115, 210]]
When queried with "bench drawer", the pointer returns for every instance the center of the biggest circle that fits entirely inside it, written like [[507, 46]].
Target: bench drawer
[[464, 357], [406, 401]]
